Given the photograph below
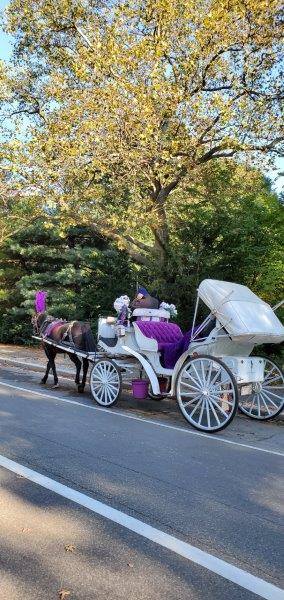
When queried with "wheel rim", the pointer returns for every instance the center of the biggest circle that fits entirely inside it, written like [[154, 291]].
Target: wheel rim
[[206, 394], [105, 383], [267, 398]]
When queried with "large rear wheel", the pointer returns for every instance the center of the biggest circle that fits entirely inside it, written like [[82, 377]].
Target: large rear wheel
[[266, 400], [207, 393]]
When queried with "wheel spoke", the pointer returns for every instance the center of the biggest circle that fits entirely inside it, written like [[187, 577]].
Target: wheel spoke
[[212, 382], [214, 411], [193, 395], [190, 385], [192, 401], [97, 385], [100, 393], [209, 373], [254, 399], [208, 414], [258, 405], [196, 407], [201, 411], [219, 408], [264, 402], [267, 396], [222, 392], [112, 385], [202, 371], [268, 391], [269, 372], [226, 382], [272, 379], [279, 388], [223, 400], [193, 366], [193, 378], [112, 392], [106, 396]]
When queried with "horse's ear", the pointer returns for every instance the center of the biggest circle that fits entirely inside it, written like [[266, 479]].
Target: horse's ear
[[40, 298]]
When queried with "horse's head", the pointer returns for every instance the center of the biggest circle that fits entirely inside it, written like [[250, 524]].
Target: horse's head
[[37, 322]]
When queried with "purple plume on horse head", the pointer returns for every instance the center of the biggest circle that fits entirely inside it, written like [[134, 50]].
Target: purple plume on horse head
[[40, 301]]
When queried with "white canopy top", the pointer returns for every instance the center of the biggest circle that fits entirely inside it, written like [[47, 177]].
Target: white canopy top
[[243, 314]]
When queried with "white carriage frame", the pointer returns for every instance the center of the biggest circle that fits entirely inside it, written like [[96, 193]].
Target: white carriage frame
[[235, 355], [224, 350]]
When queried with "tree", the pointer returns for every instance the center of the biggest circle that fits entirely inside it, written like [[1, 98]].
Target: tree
[[82, 274], [229, 226], [132, 99]]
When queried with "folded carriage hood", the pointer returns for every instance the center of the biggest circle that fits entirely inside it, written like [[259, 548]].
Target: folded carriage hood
[[241, 312]]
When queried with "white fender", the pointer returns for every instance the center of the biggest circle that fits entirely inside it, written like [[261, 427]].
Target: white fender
[[177, 368], [147, 368]]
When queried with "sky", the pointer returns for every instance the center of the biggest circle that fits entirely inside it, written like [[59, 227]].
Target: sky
[[6, 45]]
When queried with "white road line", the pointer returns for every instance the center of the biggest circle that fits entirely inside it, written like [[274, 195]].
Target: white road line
[[143, 420], [25, 363], [208, 561]]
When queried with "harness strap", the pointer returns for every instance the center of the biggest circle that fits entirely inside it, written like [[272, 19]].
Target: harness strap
[[68, 333]]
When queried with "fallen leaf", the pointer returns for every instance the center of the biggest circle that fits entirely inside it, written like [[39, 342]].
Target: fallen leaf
[[131, 565], [70, 547], [63, 594], [26, 530]]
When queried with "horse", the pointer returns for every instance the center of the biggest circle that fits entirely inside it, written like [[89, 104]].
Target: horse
[[77, 334]]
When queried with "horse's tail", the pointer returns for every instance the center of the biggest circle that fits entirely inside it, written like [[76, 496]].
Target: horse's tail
[[89, 340]]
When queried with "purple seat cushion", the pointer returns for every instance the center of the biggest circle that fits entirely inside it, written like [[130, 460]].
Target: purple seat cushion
[[170, 353], [162, 332], [171, 341]]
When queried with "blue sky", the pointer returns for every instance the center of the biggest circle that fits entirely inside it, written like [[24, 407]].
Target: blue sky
[[6, 43]]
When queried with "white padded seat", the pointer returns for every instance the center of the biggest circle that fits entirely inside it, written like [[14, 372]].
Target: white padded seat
[[151, 314]]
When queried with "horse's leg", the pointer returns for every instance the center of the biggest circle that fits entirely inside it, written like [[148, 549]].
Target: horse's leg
[[78, 365], [85, 372], [48, 366], [52, 360]]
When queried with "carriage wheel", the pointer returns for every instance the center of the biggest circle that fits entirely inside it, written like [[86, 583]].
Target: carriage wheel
[[207, 393], [267, 398], [105, 382]]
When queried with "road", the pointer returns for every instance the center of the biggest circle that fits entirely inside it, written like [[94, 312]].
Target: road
[[66, 464]]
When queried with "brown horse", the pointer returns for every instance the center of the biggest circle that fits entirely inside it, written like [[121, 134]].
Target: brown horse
[[73, 333]]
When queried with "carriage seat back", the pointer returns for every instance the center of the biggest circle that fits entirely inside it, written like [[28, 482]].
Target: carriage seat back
[[151, 314], [151, 334]]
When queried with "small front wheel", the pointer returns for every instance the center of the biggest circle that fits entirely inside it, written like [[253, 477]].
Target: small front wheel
[[105, 382], [207, 393]]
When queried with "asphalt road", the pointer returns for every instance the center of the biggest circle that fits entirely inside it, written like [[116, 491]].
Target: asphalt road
[[223, 495]]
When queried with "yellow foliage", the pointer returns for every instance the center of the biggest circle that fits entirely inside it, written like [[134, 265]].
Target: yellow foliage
[[137, 96]]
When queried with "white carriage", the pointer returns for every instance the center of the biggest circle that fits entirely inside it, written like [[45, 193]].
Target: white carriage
[[211, 371]]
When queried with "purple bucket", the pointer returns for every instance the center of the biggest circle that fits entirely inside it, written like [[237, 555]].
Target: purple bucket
[[140, 388]]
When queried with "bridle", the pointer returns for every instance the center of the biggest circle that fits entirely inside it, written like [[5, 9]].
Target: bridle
[[34, 321], [39, 328]]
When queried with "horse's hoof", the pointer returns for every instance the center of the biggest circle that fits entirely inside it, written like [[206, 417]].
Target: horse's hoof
[[42, 381], [56, 385], [80, 389]]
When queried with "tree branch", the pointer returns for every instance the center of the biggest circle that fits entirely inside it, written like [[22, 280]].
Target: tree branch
[[127, 241], [83, 35]]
